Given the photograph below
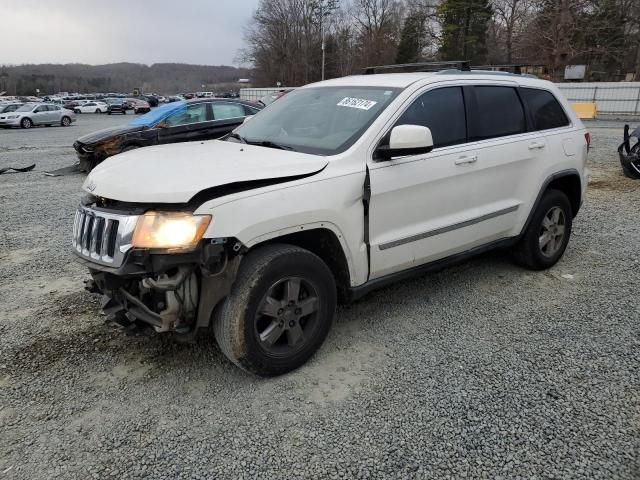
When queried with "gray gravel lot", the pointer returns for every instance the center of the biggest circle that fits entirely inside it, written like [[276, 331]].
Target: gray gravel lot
[[483, 370]]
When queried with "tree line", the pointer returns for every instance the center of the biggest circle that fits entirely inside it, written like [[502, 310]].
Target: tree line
[[285, 38], [163, 78]]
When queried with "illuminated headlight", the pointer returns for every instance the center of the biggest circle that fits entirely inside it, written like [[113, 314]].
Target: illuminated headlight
[[170, 230]]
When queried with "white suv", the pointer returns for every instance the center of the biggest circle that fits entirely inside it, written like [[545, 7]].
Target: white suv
[[335, 189]]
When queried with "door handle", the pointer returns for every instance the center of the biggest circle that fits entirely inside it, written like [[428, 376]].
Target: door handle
[[464, 159], [536, 146]]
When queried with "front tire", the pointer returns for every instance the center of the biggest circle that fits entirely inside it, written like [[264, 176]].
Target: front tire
[[547, 236], [65, 122], [279, 311], [26, 123]]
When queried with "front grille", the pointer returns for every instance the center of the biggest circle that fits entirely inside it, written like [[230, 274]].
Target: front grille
[[102, 237]]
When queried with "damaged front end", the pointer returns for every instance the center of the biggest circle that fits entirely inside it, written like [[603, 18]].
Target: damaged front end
[[148, 289], [630, 155]]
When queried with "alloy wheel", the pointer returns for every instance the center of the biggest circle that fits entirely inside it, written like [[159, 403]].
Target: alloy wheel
[[287, 316], [552, 231]]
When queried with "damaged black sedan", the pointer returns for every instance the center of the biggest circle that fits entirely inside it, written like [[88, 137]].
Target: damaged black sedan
[[183, 121]]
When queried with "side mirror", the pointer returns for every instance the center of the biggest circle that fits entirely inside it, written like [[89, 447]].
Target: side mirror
[[406, 140], [247, 118]]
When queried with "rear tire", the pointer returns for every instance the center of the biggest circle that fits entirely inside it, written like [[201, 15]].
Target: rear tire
[[26, 123], [279, 311], [546, 238]]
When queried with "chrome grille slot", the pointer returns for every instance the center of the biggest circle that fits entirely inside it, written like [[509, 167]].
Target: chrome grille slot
[[102, 237]]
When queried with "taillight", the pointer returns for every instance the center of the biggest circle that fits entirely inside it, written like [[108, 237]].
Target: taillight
[[587, 137]]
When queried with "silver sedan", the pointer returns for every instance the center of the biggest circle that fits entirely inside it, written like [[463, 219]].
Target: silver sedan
[[32, 114]]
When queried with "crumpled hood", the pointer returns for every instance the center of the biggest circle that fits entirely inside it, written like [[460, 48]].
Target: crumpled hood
[[176, 173], [100, 135]]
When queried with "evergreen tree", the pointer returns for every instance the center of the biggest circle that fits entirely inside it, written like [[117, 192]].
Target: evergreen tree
[[412, 38], [464, 25]]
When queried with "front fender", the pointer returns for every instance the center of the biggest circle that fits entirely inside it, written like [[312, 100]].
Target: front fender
[[331, 203]]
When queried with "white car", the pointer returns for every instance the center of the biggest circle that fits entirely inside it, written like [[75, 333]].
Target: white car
[[32, 114], [338, 188], [92, 107]]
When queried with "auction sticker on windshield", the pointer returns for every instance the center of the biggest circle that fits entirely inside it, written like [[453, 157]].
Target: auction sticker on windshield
[[361, 103]]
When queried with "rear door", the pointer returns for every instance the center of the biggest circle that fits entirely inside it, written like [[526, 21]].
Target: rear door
[[55, 113], [508, 152], [227, 116]]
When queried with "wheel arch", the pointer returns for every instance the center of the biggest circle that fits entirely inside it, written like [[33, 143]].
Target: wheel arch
[[567, 181], [571, 185], [322, 240]]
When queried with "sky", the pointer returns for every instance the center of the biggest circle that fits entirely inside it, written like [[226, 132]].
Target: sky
[[203, 32]]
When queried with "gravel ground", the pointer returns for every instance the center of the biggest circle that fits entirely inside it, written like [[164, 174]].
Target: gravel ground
[[484, 370]]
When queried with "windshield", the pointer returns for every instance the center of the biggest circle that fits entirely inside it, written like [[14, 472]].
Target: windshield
[[26, 108], [157, 114], [321, 120]]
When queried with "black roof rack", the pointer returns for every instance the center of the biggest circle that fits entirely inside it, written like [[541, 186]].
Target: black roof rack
[[511, 68], [462, 65]]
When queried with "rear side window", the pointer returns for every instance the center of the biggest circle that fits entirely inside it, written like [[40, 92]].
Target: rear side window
[[500, 112], [545, 109], [223, 111], [442, 110]]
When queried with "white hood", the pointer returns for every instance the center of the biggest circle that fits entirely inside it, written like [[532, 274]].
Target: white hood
[[175, 173]]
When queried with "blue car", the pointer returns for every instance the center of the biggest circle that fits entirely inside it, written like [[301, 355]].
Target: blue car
[[183, 121]]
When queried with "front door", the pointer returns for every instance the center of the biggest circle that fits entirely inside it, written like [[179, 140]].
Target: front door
[[186, 125], [423, 206], [41, 115]]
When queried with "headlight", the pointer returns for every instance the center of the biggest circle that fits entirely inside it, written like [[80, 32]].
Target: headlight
[[170, 230], [13, 116]]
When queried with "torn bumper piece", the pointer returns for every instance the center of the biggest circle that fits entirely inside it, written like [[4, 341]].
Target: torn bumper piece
[[630, 155], [165, 293]]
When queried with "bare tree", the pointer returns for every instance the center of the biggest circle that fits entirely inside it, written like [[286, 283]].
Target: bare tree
[[378, 23], [511, 16]]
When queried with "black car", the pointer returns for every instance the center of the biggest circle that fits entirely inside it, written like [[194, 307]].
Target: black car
[[116, 105], [184, 121], [150, 99]]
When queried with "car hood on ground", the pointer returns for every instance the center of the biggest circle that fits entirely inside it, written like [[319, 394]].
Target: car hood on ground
[[107, 133], [176, 173]]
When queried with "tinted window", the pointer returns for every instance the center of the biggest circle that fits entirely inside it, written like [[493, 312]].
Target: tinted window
[[500, 112], [41, 108], [442, 110], [192, 114], [222, 111], [545, 109]]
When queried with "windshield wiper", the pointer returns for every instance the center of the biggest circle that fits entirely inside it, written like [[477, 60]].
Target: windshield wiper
[[237, 137], [270, 144]]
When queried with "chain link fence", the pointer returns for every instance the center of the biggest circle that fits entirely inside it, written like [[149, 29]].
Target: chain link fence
[[611, 98]]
